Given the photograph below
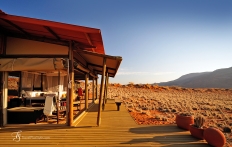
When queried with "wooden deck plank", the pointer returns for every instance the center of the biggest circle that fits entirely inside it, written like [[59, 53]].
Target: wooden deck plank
[[117, 129]]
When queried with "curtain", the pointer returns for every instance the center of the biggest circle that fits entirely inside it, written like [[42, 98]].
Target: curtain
[[61, 86], [49, 84], [35, 80], [65, 83], [24, 79], [27, 80]]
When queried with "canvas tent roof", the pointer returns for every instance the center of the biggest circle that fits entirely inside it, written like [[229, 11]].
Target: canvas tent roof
[[28, 64], [89, 51], [87, 38], [95, 61]]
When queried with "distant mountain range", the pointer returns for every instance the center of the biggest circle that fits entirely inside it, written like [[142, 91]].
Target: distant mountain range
[[220, 78]]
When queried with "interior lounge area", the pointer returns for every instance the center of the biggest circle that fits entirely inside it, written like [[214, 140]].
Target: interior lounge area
[[41, 65], [27, 94], [43, 96]]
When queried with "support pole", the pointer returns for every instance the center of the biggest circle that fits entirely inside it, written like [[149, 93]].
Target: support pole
[[67, 93], [107, 84], [93, 90], [1, 98], [96, 89], [58, 99], [5, 95], [86, 90], [101, 92], [105, 96], [70, 85]]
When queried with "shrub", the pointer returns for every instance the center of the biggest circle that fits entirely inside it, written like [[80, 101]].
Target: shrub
[[227, 129], [185, 114], [199, 121]]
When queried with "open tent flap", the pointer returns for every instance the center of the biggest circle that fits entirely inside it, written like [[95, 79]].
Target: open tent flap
[[31, 64], [49, 81]]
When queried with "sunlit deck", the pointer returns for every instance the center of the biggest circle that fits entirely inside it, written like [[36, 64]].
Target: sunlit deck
[[117, 129]]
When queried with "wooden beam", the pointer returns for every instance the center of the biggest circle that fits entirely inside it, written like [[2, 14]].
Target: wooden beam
[[34, 56], [79, 58], [52, 32], [89, 41], [84, 69], [101, 92], [71, 86], [118, 58], [92, 64], [17, 27], [99, 71], [78, 45], [86, 90], [92, 75], [37, 38]]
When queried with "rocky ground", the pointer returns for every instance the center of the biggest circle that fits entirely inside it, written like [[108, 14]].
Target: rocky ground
[[157, 105]]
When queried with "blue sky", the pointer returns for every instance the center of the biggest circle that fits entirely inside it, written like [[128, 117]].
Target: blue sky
[[159, 40]]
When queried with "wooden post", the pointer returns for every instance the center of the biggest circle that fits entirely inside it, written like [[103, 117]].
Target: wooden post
[[93, 89], [86, 90], [107, 84], [41, 81], [71, 85], [101, 92], [104, 98], [57, 99], [67, 94], [1, 99], [5, 95], [96, 89]]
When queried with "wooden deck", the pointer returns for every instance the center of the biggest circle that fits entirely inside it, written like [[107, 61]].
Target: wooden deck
[[117, 129]]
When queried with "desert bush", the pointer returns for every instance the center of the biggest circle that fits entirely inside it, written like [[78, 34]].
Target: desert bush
[[199, 121], [131, 84], [220, 124], [157, 117], [227, 129], [194, 108], [148, 86], [130, 110], [219, 116], [185, 114], [164, 119]]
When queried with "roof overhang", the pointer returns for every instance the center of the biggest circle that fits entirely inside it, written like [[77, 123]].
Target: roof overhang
[[86, 38], [94, 62]]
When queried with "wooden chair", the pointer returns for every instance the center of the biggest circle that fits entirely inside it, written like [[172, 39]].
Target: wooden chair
[[59, 111], [60, 108]]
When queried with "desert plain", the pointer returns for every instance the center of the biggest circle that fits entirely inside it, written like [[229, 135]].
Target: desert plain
[[159, 105]]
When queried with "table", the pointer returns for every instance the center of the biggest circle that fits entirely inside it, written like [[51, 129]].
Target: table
[[15, 102], [33, 100], [24, 115], [118, 103]]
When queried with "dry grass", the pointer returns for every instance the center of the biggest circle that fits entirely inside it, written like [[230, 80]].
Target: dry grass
[[152, 104]]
